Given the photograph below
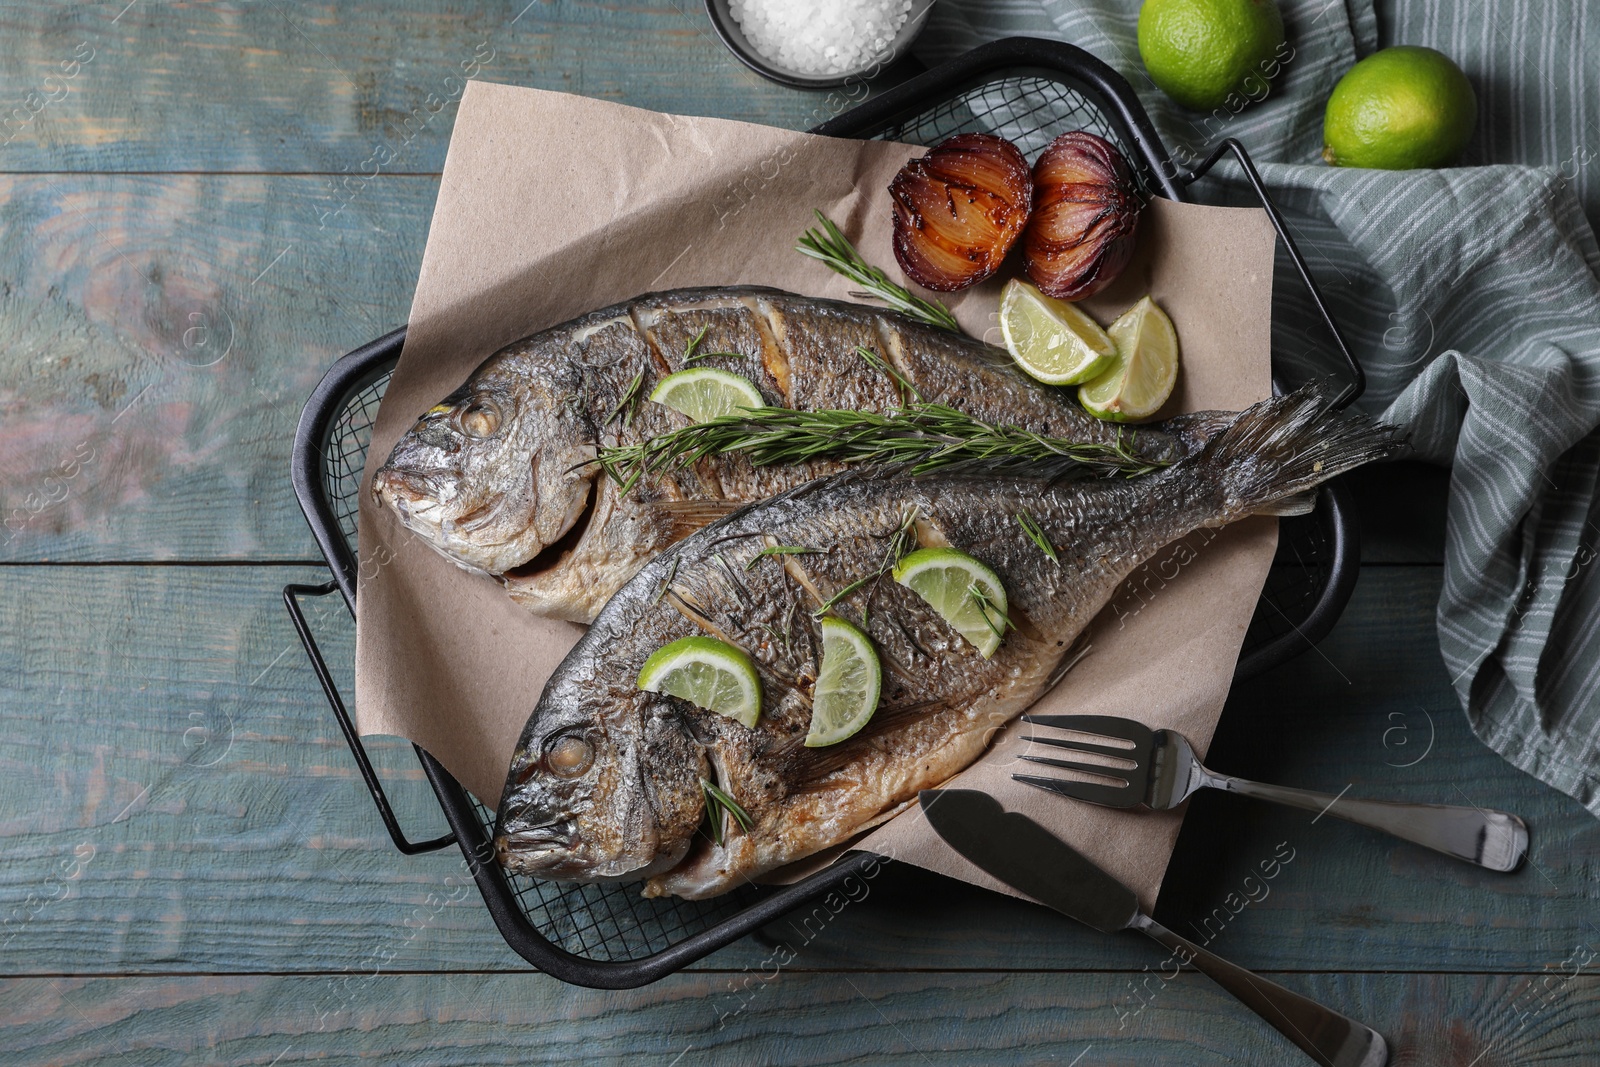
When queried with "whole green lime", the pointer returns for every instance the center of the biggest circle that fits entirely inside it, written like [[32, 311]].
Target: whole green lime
[[1201, 52], [1398, 109]]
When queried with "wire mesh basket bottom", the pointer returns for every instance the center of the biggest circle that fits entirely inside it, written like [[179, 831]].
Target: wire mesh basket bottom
[[611, 922], [345, 456]]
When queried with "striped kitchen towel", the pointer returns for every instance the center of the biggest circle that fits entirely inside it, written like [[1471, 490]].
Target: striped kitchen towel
[[1471, 296]]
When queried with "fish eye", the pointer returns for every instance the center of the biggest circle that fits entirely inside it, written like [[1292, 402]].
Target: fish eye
[[479, 418], [568, 756]]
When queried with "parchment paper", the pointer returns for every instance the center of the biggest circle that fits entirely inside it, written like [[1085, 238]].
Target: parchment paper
[[552, 205]]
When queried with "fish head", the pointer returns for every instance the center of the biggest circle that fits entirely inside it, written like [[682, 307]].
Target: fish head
[[602, 796], [497, 472]]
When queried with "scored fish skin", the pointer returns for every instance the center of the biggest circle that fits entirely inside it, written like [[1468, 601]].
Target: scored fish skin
[[633, 809], [494, 504]]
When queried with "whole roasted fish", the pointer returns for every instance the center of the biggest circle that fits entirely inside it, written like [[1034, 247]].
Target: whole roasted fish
[[497, 476], [605, 782]]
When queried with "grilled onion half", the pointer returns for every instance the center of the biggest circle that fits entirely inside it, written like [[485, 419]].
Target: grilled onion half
[[1085, 211], [959, 209]]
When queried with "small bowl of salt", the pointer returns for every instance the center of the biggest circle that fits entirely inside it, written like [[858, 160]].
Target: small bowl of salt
[[818, 44]]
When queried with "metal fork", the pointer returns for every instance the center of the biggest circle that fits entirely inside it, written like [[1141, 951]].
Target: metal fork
[[1165, 771]]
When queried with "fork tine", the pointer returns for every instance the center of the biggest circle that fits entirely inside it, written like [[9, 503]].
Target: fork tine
[[1105, 725], [1131, 755], [1104, 795], [1099, 770]]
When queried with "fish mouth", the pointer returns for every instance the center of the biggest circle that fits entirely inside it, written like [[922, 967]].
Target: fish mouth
[[416, 495], [401, 488], [550, 556], [541, 847]]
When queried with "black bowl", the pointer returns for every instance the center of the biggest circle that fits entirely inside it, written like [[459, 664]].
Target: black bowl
[[727, 29]]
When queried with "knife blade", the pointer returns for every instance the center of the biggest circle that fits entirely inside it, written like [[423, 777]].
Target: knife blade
[[1032, 860], [1029, 858]]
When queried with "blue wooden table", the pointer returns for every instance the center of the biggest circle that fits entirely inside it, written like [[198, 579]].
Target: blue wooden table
[[191, 870]]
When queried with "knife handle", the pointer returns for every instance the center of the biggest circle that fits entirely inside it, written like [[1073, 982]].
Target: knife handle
[[1323, 1034], [1491, 839]]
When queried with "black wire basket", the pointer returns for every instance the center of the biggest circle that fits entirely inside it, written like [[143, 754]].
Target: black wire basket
[[608, 935]]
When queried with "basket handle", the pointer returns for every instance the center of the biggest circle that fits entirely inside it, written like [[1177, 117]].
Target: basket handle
[[291, 600], [1358, 377]]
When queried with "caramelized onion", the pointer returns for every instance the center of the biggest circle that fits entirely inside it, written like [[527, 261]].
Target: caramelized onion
[[959, 209], [1085, 210]]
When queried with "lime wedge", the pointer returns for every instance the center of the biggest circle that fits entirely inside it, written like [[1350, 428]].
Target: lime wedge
[[708, 673], [1052, 340], [1146, 368], [848, 683], [703, 393], [965, 593]]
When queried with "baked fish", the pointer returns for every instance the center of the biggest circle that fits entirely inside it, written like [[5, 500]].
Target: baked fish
[[498, 478], [605, 781]]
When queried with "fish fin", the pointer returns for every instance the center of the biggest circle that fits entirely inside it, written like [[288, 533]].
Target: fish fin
[[684, 517], [1298, 504], [1284, 446]]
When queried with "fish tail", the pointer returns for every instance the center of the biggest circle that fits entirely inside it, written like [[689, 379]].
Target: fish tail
[[1285, 446]]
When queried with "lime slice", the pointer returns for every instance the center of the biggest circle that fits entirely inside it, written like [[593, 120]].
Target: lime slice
[[703, 393], [708, 673], [848, 684], [964, 592], [1145, 371], [1052, 340]]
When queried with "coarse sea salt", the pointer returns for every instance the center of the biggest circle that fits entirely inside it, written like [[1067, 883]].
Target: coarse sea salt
[[820, 37]]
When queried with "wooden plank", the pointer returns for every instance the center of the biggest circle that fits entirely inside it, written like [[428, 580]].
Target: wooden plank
[[318, 87], [778, 1017], [175, 783], [158, 338], [166, 743]]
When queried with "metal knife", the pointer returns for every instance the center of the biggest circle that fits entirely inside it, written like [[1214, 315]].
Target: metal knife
[[1032, 860]]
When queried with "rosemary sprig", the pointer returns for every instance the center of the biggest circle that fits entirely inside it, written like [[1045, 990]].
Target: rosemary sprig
[[846, 591], [900, 543], [783, 634], [902, 540], [718, 802], [692, 353], [922, 436], [694, 342], [782, 550], [988, 610], [882, 366], [833, 248], [629, 395], [1035, 532]]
